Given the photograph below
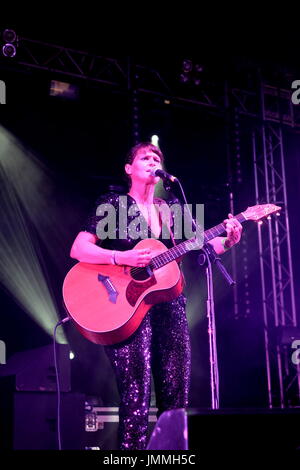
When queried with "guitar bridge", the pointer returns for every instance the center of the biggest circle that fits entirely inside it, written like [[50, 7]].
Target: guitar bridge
[[111, 290]]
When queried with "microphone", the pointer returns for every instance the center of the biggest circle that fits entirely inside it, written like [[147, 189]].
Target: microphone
[[164, 175]]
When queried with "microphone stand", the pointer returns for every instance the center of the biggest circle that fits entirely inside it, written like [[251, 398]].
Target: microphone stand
[[208, 257]]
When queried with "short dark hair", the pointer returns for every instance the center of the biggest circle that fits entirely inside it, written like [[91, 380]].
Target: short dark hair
[[134, 150]]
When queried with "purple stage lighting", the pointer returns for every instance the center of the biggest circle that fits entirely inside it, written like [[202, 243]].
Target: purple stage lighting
[[9, 50], [9, 36]]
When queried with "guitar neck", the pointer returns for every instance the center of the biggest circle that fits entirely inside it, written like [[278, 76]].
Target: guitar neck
[[188, 245], [217, 230]]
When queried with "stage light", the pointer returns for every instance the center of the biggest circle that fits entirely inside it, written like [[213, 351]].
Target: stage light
[[198, 68], [184, 78], [187, 65], [25, 211], [64, 90], [9, 36], [191, 73], [9, 50], [154, 140], [71, 355]]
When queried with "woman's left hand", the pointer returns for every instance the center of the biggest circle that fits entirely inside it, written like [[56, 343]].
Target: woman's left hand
[[233, 230]]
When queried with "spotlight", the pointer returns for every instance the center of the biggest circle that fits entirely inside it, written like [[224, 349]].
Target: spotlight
[[184, 78], [198, 68], [9, 50], [154, 140], [191, 73], [64, 90], [9, 36], [187, 65]]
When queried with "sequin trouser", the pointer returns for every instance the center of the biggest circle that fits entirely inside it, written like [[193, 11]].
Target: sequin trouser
[[162, 343]]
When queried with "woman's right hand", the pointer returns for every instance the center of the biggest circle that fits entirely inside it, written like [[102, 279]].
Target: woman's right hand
[[134, 257]]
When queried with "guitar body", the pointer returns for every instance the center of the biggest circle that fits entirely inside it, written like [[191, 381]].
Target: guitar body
[[108, 303]]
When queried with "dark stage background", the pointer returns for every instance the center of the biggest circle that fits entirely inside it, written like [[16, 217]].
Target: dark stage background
[[80, 145]]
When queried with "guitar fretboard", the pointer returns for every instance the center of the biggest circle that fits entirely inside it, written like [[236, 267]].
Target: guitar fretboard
[[189, 245]]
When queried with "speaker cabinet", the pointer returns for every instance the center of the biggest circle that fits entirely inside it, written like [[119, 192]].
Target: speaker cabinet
[[35, 421], [34, 369], [227, 431]]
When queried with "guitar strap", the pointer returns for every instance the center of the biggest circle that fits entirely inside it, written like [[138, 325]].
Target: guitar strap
[[170, 230], [165, 217]]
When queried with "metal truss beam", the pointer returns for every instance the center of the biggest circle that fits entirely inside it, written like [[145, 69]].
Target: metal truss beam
[[271, 109], [276, 269], [118, 73], [271, 104], [70, 62]]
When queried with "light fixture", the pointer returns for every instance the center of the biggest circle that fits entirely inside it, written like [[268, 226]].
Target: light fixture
[[154, 140], [9, 38], [187, 65], [191, 73], [184, 77], [64, 90], [9, 50], [198, 68]]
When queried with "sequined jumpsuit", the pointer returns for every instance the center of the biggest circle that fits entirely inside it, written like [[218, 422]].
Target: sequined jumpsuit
[[161, 344]]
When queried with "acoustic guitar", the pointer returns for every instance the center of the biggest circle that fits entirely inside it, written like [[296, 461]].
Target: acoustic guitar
[[107, 303]]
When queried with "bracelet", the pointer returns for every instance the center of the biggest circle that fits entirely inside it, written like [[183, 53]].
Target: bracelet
[[223, 242], [113, 257]]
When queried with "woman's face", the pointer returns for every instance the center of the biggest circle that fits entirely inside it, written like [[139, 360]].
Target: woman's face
[[143, 164]]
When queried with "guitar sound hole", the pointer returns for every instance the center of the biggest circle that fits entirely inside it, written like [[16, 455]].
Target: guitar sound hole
[[141, 274]]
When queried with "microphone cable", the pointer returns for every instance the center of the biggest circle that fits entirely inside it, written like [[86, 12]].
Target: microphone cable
[[167, 179], [194, 222], [61, 322]]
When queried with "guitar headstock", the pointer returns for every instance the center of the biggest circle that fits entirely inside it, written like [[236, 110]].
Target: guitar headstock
[[260, 211]]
